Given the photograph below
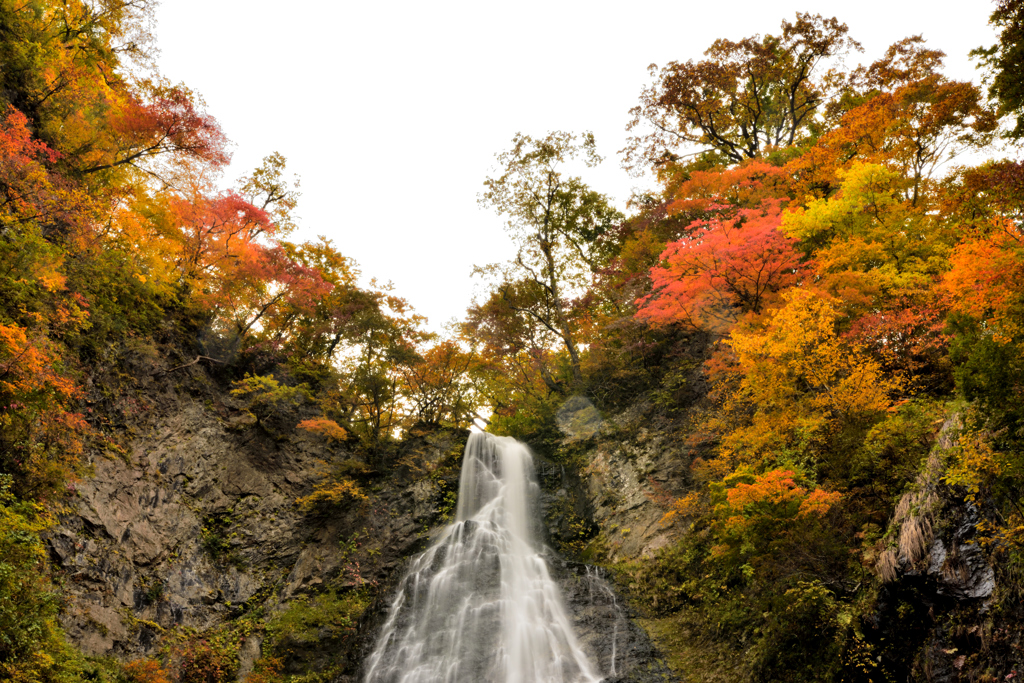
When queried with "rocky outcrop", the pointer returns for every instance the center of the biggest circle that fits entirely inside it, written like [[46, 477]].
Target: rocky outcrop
[[188, 519], [193, 525], [932, 532], [635, 463], [188, 522], [605, 627], [940, 613]]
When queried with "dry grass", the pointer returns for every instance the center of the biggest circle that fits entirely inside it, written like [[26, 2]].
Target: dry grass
[[912, 522], [886, 566], [903, 508], [915, 537]]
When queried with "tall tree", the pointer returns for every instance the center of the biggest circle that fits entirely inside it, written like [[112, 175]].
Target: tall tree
[[747, 97], [1005, 62], [555, 222], [911, 118]]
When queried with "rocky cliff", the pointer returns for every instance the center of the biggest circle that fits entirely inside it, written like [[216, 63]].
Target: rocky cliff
[[187, 530], [937, 602]]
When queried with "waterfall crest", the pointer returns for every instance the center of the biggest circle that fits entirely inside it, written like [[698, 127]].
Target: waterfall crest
[[480, 605]]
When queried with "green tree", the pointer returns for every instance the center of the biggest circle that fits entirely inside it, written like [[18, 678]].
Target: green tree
[[556, 222], [1005, 62], [32, 646]]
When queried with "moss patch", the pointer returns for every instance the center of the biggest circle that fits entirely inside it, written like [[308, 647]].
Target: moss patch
[[308, 619], [693, 658]]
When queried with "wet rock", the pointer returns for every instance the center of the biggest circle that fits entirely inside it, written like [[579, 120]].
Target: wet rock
[[621, 650], [960, 568]]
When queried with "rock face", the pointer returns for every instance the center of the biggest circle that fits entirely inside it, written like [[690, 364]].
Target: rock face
[[620, 649], [634, 465], [961, 570], [192, 526], [940, 606], [191, 523]]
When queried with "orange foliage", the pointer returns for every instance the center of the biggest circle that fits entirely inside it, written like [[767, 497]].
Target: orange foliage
[[324, 427], [44, 439], [691, 504], [818, 502], [911, 120], [212, 232], [145, 671], [723, 268], [747, 186], [775, 494], [770, 489], [226, 256], [439, 386], [799, 376], [986, 276]]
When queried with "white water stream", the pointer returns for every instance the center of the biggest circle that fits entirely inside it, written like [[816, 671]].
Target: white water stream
[[479, 606]]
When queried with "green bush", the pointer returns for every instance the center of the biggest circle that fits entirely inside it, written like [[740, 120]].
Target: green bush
[[32, 646], [303, 622]]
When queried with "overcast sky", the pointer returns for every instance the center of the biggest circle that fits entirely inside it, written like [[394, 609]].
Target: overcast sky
[[391, 112]]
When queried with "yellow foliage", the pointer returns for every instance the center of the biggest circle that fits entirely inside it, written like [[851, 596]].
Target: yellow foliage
[[799, 376], [867, 242], [691, 504], [974, 463], [983, 471]]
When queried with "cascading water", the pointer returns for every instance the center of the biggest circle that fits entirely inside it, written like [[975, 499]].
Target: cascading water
[[479, 606]]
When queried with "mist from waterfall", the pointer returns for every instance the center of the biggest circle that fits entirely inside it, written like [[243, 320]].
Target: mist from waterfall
[[479, 606]]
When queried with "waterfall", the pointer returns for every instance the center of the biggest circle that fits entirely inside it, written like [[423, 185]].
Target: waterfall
[[479, 605]]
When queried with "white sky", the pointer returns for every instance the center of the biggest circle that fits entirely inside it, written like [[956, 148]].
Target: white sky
[[391, 112]]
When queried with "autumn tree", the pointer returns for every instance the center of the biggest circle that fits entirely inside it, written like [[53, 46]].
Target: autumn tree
[[979, 198], [1004, 62], [870, 243], [802, 378], [508, 334], [905, 114], [316, 334], [63, 60], [33, 196], [440, 386], [747, 98], [382, 342], [757, 507], [267, 189], [158, 122], [723, 268], [984, 286], [555, 222]]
